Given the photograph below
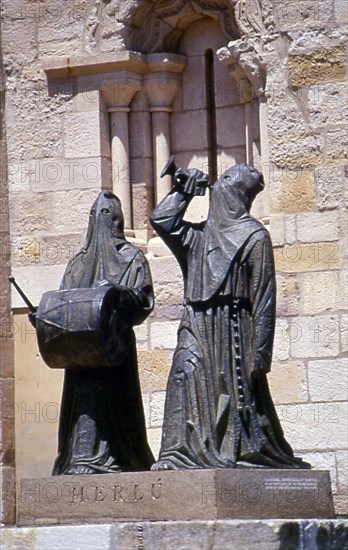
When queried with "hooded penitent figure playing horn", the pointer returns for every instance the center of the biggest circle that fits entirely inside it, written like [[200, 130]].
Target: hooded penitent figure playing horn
[[102, 427], [219, 412]]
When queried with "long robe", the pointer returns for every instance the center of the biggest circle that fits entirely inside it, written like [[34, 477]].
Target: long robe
[[218, 411], [102, 426]]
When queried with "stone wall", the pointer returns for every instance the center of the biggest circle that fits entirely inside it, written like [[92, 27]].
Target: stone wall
[[292, 55]]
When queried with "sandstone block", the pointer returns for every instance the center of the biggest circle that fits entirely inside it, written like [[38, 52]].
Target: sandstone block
[[330, 183], [277, 229], [62, 211], [87, 99], [293, 192], [337, 145], [17, 44], [325, 65], [56, 49], [93, 536], [70, 209], [172, 312], [168, 294], [290, 228], [342, 470], [192, 159], [36, 411], [157, 401], [60, 248], [344, 333], [288, 295], [81, 135], [63, 174], [154, 369], [29, 364], [30, 215], [327, 104], [7, 494], [35, 280], [142, 335], [39, 125], [322, 291], [154, 437], [340, 504], [310, 13], [7, 435], [141, 199], [315, 426], [314, 336], [6, 349], [308, 257], [297, 151], [164, 335], [167, 278], [19, 539], [288, 383], [341, 12], [328, 380], [174, 536], [18, 177], [193, 138], [25, 251], [228, 156], [285, 116], [156, 248], [226, 119], [194, 96], [281, 348], [317, 226]]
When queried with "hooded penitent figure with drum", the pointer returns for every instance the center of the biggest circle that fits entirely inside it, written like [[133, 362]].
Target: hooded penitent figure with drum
[[86, 328]]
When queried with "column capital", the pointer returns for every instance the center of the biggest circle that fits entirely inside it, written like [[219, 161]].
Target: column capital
[[161, 89], [119, 90]]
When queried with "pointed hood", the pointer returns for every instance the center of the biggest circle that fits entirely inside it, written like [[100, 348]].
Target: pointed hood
[[101, 255], [227, 229]]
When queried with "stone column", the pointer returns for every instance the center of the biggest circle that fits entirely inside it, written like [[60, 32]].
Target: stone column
[[264, 146], [161, 86], [118, 94], [248, 133]]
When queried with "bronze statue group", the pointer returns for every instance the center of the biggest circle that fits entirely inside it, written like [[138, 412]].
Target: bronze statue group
[[219, 412]]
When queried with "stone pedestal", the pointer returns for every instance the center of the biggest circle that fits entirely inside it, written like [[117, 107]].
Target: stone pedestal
[[176, 495]]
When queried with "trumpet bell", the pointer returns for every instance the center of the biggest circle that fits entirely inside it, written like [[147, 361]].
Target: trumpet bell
[[170, 168]]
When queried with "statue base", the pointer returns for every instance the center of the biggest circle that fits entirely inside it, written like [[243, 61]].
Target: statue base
[[176, 495]]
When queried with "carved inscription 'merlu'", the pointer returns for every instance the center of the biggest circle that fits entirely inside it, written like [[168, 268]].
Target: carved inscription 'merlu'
[[91, 492]]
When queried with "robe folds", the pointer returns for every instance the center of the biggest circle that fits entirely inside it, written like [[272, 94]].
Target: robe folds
[[102, 426], [218, 411]]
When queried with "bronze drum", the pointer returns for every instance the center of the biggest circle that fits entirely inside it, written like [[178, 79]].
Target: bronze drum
[[77, 328]]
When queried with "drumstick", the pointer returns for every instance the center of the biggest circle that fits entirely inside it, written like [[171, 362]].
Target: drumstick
[[32, 308]]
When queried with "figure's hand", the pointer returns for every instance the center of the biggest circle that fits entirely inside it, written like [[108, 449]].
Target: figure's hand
[[191, 182], [197, 174]]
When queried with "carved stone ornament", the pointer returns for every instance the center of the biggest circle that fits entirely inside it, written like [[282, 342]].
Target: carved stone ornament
[[219, 412], [246, 63], [154, 26]]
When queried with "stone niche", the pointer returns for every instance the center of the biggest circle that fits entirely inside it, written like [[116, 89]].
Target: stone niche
[[177, 90]]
